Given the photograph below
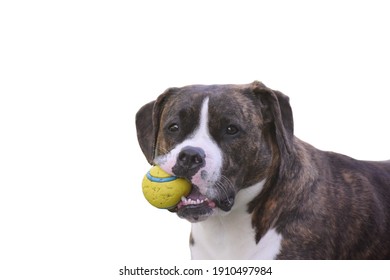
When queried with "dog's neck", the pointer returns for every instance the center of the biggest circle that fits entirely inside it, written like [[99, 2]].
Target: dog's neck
[[231, 235]]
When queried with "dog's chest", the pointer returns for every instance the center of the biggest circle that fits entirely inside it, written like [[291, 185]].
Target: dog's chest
[[232, 236]]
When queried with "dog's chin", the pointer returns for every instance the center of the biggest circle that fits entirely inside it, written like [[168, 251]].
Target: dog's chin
[[196, 207], [195, 213]]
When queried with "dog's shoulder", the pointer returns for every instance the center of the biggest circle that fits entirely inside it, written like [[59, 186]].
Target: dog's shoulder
[[345, 206]]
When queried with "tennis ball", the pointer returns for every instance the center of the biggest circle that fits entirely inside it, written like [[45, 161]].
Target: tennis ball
[[163, 190]]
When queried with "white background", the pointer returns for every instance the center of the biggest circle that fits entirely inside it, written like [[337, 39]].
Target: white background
[[74, 73]]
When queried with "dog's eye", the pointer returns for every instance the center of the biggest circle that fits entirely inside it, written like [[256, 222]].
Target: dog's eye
[[173, 127], [231, 129]]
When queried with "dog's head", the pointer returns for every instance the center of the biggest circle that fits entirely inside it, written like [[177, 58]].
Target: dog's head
[[223, 138]]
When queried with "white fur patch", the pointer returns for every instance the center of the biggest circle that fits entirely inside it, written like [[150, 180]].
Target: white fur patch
[[200, 138], [231, 235]]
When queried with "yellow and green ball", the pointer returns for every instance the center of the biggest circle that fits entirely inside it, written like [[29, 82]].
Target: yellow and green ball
[[163, 190]]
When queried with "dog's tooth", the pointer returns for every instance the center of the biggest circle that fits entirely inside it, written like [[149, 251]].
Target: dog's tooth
[[190, 201]]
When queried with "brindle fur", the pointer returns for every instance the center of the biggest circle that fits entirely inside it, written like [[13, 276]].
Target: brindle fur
[[325, 205]]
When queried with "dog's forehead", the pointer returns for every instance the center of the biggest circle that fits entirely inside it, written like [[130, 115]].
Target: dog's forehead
[[214, 90], [221, 97]]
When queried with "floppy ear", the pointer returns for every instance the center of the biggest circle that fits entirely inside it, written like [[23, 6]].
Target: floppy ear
[[145, 132], [276, 110], [147, 122]]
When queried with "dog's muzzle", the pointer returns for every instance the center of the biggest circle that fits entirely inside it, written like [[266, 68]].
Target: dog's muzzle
[[196, 206]]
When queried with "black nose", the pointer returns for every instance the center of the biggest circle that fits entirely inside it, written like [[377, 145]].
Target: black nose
[[191, 158]]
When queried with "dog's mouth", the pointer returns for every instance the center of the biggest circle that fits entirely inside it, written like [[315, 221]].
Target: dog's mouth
[[197, 207]]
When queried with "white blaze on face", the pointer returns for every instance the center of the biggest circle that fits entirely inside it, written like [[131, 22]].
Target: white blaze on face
[[206, 177]]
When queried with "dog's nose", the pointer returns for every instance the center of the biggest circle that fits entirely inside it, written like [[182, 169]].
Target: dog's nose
[[191, 157]]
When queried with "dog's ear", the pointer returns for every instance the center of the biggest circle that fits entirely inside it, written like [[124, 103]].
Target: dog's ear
[[276, 110], [147, 122]]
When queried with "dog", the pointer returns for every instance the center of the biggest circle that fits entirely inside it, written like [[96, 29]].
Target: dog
[[259, 192]]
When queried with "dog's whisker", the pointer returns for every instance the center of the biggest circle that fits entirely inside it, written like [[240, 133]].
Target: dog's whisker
[[225, 185]]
